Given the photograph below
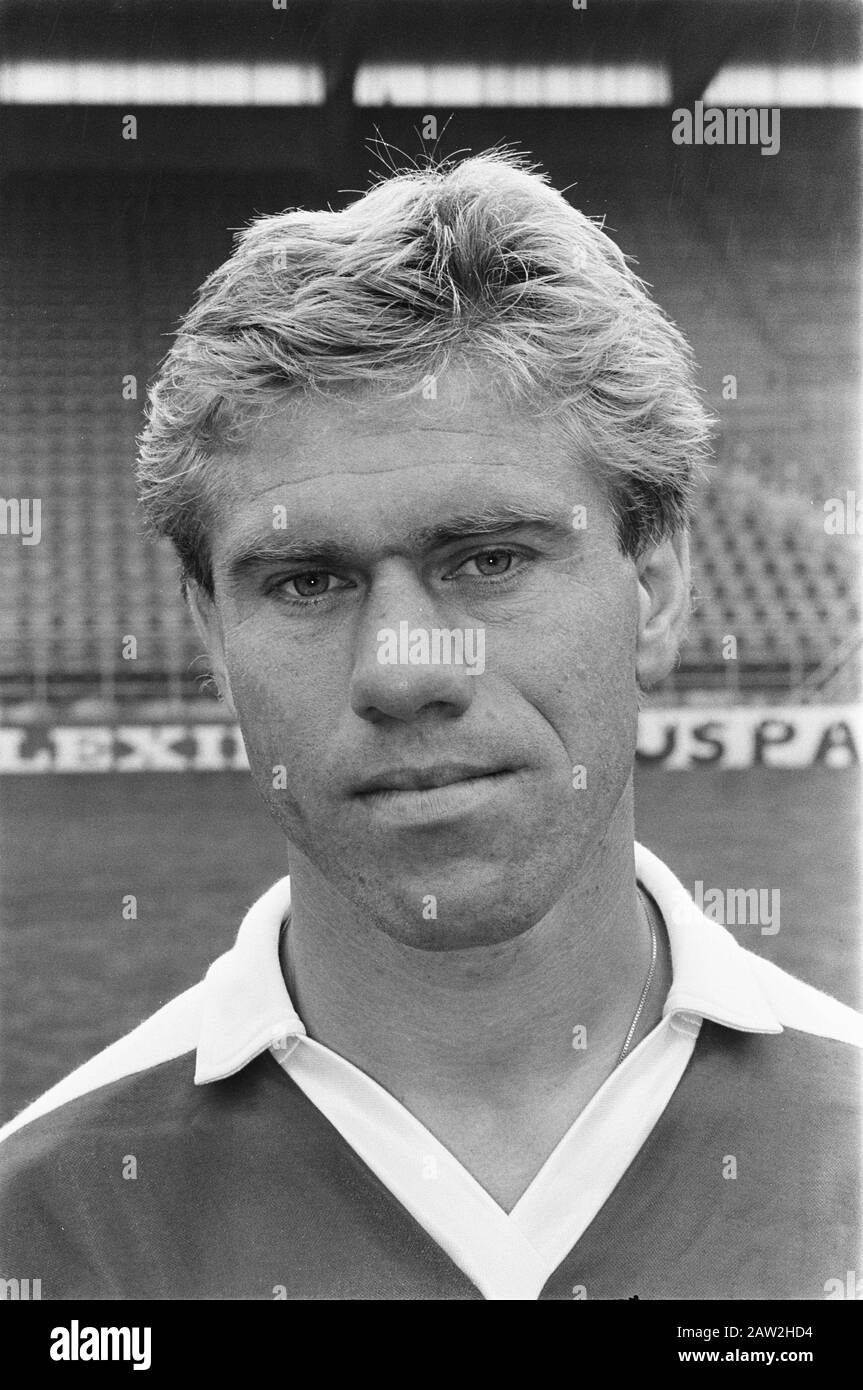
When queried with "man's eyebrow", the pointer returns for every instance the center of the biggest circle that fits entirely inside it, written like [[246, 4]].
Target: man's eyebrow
[[281, 551], [281, 548], [490, 521]]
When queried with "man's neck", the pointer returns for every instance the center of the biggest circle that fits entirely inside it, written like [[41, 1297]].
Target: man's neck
[[548, 1010]]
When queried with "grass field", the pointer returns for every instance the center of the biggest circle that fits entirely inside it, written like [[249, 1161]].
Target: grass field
[[196, 850]]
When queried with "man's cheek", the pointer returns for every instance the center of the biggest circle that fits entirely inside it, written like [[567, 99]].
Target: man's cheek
[[286, 734], [575, 660], [269, 719], [579, 686], [265, 684]]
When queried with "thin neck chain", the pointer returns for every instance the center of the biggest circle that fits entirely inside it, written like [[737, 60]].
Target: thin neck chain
[[647, 983]]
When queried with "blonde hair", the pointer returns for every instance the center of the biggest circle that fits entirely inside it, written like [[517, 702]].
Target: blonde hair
[[476, 261]]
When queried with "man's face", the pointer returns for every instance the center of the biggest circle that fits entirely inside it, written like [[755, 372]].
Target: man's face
[[448, 801]]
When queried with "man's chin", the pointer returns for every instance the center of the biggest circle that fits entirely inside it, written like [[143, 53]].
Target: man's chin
[[477, 908]]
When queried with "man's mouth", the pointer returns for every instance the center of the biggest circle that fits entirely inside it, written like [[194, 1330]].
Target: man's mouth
[[418, 798], [412, 779]]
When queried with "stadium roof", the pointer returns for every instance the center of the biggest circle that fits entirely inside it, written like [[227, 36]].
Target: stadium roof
[[327, 43]]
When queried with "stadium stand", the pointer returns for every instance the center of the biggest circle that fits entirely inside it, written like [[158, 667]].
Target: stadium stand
[[98, 266]]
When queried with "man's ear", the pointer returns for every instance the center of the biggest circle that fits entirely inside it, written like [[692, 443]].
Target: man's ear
[[206, 619], [663, 608]]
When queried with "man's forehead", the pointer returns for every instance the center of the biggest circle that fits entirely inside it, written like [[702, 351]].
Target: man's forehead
[[399, 499], [307, 446], [304, 468], [329, 487], [328, 444], [417, 524], [396, 469]]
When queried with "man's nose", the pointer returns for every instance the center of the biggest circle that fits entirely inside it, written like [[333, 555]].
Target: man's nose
[[395, 674]]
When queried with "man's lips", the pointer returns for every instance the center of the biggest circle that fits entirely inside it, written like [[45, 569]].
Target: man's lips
[[410, 779], [420, 799]]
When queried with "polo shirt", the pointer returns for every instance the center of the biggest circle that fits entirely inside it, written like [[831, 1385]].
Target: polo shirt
[[218, 1152]]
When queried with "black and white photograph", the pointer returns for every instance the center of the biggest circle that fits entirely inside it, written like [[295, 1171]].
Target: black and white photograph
[[430, 684]]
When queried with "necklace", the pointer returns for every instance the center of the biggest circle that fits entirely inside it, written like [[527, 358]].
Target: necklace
[[647, 983]]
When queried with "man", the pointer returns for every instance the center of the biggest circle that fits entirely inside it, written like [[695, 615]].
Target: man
[[428, 465]]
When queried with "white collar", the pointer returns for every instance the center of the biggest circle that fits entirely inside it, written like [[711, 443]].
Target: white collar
[[247, 1006]]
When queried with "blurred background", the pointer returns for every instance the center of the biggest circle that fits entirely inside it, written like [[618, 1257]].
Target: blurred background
[[107, 227]]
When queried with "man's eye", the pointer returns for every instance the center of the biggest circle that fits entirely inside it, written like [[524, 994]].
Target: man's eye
[[311, 584], [489, 563]]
